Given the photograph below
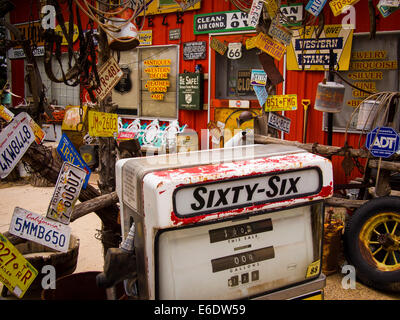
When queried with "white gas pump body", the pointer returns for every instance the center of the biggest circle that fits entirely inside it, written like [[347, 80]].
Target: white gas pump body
[[226, 223]]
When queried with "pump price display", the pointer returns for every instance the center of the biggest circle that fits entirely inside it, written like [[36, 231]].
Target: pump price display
[[16, 273]]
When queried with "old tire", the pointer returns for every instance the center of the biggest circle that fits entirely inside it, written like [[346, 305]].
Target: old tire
[[372, 243]]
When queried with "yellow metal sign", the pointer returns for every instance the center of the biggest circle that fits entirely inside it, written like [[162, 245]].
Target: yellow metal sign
[[30, 30], [270, 46], [16, 273], [145, 37], [339, 6], [102, 124], [75, 35], [285, 102], [74, 118], [313, 269], [312, 54]]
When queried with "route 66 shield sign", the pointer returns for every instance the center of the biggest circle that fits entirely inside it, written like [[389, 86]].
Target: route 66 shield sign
[[234, 50]]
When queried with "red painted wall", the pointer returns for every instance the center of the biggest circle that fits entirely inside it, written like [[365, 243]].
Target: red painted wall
[[303, 84]]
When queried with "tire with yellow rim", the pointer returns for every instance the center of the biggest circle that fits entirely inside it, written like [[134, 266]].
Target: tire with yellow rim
[[372, 243]]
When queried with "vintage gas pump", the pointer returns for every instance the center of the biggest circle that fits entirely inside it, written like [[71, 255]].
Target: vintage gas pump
[[231, 223]]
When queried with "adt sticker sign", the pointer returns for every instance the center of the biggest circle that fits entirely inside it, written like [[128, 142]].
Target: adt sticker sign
[[382, 142]]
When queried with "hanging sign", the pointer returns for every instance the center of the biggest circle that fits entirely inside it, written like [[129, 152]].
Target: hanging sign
[[339, 6], [174, 34], [312, 54], [39, 229], [234, 50], [110, 74], [102, 124], [194, 50], [251, 43], [272, 8], [258, 77], [68, 153], [255, 12], [167, 6], [285, 102], [16, 273], [190, 91], [315, 7], [15, 139], [292, 12], [280, 33], [145, 38], [274, 48], [66, 192], [218, 46], [228, 21], [279, 122]]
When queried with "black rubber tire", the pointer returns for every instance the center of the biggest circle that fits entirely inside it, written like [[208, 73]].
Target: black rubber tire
[[366, 271]]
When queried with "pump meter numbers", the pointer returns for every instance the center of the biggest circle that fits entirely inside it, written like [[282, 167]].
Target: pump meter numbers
[[240, 230], [240, 259]]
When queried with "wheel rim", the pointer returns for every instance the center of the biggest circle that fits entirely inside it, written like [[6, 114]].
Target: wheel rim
[[380, 241]]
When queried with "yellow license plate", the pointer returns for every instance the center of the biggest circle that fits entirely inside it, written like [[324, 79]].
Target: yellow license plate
[[285, 102], [102, 124], [338, 6], [16, 273]]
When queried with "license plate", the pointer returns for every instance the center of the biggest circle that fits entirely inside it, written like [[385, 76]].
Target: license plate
[[279, 122], [280, 33], [15, 140], [109, 73], [338, 6], [39, 229], [16, 273], [285, 102], [66, 192], [102, 124]]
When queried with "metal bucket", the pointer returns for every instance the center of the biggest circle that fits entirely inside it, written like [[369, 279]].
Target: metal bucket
[[329, 97]]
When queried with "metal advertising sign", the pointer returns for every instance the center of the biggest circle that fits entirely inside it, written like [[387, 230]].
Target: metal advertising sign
[[110, 73], [66, 192], [382, 142], [190, 91], [68, 153], [194, 50], [234, 50], [274, 48], [226, 195], [226, 21], [312, 54], [34, 227], [16, 273], [258, 77], [218, 46], [102, 124], [15, 140], [285, 102], [279, 122]]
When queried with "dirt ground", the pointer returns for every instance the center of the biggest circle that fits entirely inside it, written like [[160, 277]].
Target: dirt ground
[[90, 257]]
